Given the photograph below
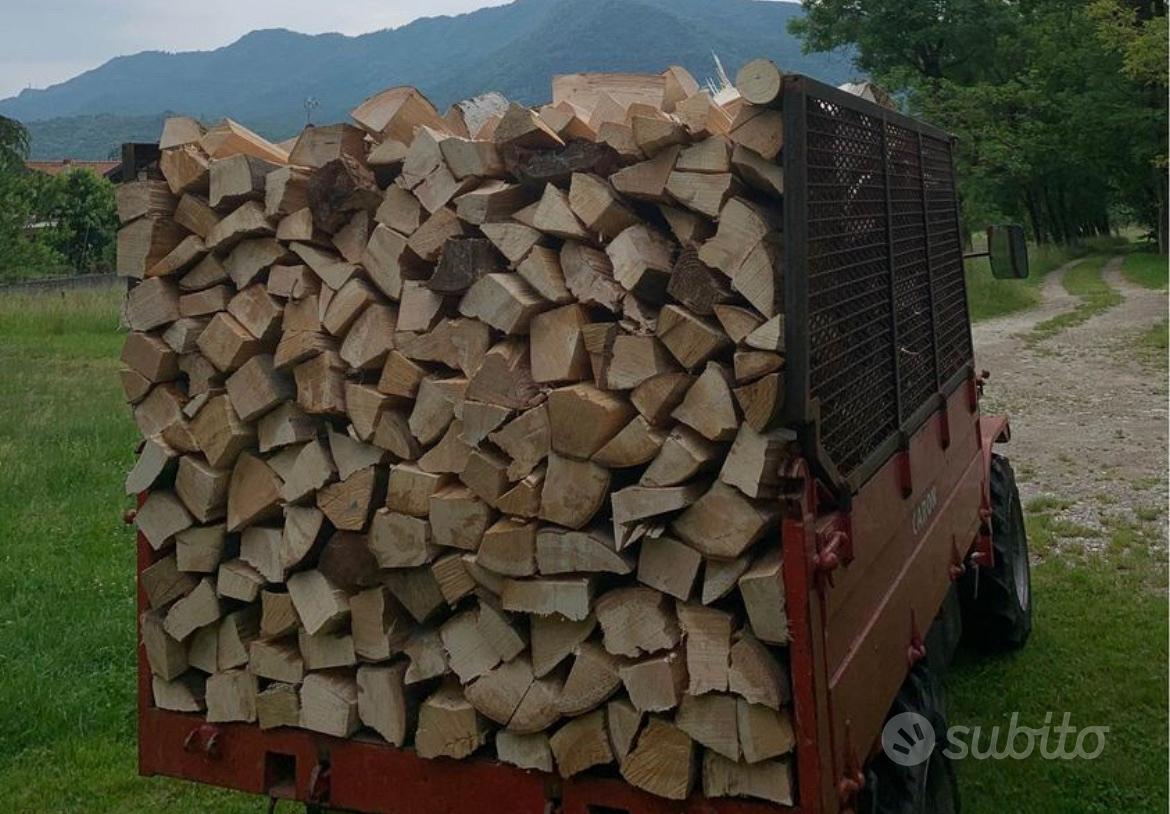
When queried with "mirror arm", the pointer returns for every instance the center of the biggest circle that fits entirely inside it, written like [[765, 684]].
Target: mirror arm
[[973, 255]]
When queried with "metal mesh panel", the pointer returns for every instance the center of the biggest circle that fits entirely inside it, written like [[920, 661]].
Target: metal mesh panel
[[887, 320], [916, 368], [850, 321], [946, 257]]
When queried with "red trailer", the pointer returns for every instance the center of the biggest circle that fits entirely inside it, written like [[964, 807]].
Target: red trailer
[[901, 524]]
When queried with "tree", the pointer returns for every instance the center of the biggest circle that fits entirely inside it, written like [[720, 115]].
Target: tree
[[49, 223], [14, 144], [82, 207], [1050, 99]]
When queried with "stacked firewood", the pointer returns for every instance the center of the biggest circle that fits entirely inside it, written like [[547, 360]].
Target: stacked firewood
[[461, 429]]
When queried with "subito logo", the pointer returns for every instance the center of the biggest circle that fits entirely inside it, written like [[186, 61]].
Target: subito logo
[[908, 739]]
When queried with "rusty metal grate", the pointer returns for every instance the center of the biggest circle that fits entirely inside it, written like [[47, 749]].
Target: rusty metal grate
[[886, 309]]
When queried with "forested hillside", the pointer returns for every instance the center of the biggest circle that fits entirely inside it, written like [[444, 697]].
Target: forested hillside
[[513, 49]]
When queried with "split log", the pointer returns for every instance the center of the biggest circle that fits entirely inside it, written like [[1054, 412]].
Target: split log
[[278, 705], [623, 723], [570, 597], [417, 590], [400, 541], [712, 721], [662, 761], [581, 744], [504, 377], [684, 454], [638, 443], [636, 621], [593, 678], [427, 658], [329, 704], [383, 703], [448, 725], [642, 261], [320, 605], [161, 517], [574, 491], [762, 588], [763, 732], [589, 277], [754, 461], [231, 696], [582, 419], [525, 751], [762, 401], [657, 397], [378, 624], [771, 780], [458, 518], [669, 566], [655, 684], [504, 301], [755, 675], [468, 655]]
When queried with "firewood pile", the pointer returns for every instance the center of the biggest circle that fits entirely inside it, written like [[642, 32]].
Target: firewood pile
[[460, 430]]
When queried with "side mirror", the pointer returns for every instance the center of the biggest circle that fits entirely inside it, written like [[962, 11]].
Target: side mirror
[[1008, 251]]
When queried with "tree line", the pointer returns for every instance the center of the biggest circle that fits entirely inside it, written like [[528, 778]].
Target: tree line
[[65, 223], [1060, 106]]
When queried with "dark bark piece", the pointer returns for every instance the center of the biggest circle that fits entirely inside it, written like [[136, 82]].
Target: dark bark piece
[[696, 285], [340, 188], [539, 167], [463, 261]]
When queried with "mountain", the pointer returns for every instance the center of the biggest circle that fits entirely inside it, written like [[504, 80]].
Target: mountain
[[264, 78]]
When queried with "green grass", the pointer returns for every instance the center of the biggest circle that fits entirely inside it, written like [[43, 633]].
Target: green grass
[[1147, 269], [1152, 346], [989, 298], [67, 630], [1085, 282], [1098, 651]]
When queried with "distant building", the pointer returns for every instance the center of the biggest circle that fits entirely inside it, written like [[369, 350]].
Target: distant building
[[107, 169]]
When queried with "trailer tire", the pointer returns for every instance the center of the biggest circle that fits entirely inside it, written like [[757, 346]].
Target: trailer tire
[[997, 601], [927, 787]]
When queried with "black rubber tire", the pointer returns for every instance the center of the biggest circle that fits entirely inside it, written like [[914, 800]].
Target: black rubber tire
[[929, 787], [997, 601], [945, 634]]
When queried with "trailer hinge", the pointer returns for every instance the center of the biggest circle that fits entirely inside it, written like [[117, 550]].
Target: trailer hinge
[[916, 651], [957, 565], [852, 777], [203, 738], [319, 783], [834, 546]]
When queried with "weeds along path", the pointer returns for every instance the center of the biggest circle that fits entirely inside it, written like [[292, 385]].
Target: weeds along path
[[1088, 409]]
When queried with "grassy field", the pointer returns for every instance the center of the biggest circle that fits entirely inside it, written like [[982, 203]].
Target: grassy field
[[1098, 651], [990, 298], [1147, 269], [67, 626]]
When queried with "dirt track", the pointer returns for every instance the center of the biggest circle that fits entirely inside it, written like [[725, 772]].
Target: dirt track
[[1089, 416]]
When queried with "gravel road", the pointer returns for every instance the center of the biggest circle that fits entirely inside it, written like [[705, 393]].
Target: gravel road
[[1088, 413]]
